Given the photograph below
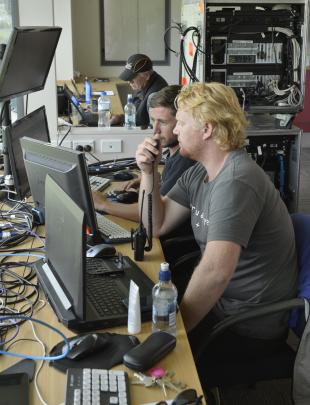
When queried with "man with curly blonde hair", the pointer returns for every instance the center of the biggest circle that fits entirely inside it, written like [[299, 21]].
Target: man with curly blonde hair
[[238, 218]]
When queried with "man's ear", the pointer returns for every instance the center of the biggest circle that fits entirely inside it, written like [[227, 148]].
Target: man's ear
[[207, 131]]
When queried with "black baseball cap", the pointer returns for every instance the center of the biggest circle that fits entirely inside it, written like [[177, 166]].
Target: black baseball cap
[[135, 64]]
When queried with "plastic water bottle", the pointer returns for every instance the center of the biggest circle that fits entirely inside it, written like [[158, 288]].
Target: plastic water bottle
[[104, 110], [130, 113], [164, 302], [88, 92]]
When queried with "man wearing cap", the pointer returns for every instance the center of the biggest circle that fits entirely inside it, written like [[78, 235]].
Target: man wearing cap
[[144, 81]]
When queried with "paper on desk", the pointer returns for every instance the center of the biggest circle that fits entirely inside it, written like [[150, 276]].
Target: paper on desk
[[108, 93]]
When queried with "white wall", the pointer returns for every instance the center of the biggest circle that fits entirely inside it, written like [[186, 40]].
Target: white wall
[[86, 42], [64, 52], [50, 13], [36, 13]]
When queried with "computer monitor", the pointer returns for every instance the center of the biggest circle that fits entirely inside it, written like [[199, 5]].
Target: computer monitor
[[27, 60], [33, 125], [67, 167]]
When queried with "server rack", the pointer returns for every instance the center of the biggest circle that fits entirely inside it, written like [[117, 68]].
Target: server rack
[[259, 49]]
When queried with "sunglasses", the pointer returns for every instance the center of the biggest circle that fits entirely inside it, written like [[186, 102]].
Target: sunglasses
[[186, 397]]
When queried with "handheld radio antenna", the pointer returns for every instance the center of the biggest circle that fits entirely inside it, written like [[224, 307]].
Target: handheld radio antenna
[[138, 237]]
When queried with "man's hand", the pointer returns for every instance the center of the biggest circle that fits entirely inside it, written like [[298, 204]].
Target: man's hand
[[135, 184], [117, 119], [148, 154]]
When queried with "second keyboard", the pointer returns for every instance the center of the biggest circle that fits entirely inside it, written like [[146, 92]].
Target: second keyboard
[[98, 183]]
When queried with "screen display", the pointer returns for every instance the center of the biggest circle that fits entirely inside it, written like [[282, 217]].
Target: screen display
[[33, 125], [27, 60]]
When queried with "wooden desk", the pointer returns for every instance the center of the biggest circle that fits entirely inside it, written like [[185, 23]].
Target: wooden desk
[[114, 84], [52, 382]]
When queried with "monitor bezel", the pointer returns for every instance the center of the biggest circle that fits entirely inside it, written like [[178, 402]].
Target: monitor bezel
[[9, 135]]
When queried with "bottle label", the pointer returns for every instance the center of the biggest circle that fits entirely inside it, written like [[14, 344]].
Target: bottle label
[[164, 314], [130, 120], [103, 105]]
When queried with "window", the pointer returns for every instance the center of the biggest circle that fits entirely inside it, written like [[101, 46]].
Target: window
[[133, 26], [8, 18]]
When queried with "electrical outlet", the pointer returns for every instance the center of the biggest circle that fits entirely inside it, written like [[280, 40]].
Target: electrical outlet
[[111, 146], [84, 142]]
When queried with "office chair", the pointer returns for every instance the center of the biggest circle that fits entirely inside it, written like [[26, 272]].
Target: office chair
[[275, 361], [278, 360]]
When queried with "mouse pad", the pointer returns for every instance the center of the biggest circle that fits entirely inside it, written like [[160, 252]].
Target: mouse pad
[[111, 355]]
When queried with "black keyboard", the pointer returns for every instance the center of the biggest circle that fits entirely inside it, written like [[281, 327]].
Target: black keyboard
[[97, 387], [97, 266], [104, 295], [107, 167]]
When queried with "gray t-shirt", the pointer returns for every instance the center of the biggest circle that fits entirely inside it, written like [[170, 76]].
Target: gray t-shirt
[[242, 205]]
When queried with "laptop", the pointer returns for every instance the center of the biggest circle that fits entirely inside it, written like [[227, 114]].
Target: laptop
[[88, 118], [73, 283]]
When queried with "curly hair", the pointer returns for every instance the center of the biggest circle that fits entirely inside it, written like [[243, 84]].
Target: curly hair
[[218, 105]]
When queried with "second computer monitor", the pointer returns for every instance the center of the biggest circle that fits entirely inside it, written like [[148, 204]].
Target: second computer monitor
[[67, 167], [33, 125]]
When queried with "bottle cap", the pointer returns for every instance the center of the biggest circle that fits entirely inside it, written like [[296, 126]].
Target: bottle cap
[[164, 273]]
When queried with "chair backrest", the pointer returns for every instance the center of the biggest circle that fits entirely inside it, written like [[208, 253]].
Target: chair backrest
[[301, 379], [301, 223]]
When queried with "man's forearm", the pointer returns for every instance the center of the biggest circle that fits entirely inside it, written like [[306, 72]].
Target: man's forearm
[[201, 295], [126, 211]]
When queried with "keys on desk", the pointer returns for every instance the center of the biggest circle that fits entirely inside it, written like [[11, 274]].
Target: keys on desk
[[165, 381], [98, 183], [87, 386]]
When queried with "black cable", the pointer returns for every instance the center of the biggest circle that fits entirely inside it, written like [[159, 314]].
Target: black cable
[[149, 234], [2, 110], [93, 156], [191, 71], [18, 288], [197, 45], [65, 136], [178, 27], [13, 240]]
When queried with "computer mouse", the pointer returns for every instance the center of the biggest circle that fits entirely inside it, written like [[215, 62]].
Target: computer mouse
[[128, 197], [85, 345], [111, 195], [101, 250], [123, 175]]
